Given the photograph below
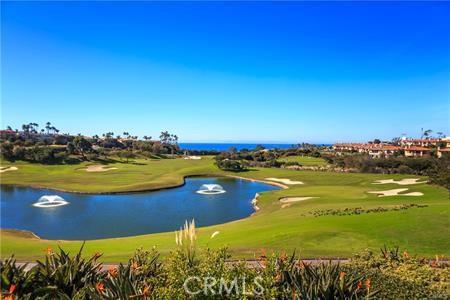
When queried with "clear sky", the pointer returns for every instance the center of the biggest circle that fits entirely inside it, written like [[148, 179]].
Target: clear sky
[[236, 72]]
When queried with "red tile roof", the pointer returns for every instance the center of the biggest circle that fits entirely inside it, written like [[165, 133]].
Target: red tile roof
[[424, 140], [416, 148]]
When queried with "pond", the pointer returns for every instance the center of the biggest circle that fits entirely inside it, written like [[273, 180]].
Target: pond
[[90, 216]]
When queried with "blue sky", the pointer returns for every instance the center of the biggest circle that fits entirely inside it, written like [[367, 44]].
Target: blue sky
[[236, 72]]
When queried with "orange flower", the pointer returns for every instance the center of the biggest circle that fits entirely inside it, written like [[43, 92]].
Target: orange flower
[[112, 271], [283, 256], [135, 266], [146, 291], [359, 285], [100, 287], [405, 254], [9, 295], [49, 251], [341, 276], [367, 283], [301, 264], [263, 253], [96, 255]]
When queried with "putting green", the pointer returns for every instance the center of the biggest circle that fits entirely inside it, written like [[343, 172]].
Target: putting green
[[424, 231]]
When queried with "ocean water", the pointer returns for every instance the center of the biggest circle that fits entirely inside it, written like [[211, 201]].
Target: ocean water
[[226, 146]]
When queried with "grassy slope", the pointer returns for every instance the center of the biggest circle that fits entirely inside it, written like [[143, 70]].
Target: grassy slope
[[305, 160], [135, 176], [420, 230]]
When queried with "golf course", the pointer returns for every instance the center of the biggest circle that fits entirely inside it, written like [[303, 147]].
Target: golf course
[[317, 214]]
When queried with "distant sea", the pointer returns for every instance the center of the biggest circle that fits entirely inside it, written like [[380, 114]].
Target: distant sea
[[226, 146]]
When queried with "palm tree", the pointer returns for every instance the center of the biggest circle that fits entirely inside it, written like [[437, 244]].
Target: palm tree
[[427, 133], [48, 127], [164, 137], [32, 127], [36, 125]]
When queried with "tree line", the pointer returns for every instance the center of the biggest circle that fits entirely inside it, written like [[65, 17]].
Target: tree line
[[49, 146]]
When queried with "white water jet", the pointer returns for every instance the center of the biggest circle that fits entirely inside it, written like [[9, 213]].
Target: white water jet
[[50, 201], [211, 189]]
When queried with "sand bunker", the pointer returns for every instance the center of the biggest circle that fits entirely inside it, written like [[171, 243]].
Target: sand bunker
[[284, 180], [193, 157], [6, 169], [395, 192], [406, 181], [295, 199], [99, 168]]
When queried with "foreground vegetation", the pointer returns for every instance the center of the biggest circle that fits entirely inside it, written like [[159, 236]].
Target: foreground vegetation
[[190, 273]]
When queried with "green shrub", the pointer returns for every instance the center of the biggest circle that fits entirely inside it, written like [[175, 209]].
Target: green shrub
[[63, 276], [327, 281], [399, 276], [231, 165], [388, 275], [14, 278]]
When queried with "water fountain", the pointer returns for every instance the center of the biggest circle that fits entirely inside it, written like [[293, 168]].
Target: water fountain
[[50, 201], [211, 189]]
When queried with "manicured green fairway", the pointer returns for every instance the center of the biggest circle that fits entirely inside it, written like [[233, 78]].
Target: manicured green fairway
[[305, 160], [137, 175], [424, 231]]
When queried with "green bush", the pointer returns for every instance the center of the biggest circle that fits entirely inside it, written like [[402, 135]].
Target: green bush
[[327, 281], [400, 276], [210, 275], [231, 165], [15, 279], [63, 276]]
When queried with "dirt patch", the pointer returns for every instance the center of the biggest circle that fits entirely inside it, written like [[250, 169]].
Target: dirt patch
[[99, 168], [395, 192], [284, 180]]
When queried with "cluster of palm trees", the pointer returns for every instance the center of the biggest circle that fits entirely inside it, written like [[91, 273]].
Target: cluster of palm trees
[[427, 133], [127, 135], [32, 128], [168, 139]]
